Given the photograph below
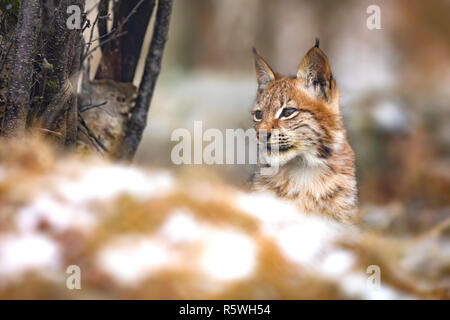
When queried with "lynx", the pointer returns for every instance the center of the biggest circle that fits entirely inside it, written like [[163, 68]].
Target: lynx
[[298, 120]]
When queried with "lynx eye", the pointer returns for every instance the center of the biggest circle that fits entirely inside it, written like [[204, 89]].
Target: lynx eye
[[289, 113], [257, 116]]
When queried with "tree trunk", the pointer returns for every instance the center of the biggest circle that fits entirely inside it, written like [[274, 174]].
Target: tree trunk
[[19, 90], [61, 51]]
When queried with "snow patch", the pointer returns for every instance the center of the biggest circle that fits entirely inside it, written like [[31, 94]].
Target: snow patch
[[228, 256], [180, 228], [22, 253], [107, 182], [131, 259], [58, 216], [302, 238]]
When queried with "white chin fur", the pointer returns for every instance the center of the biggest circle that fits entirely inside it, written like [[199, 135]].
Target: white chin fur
[[307, 159], [279, 159]]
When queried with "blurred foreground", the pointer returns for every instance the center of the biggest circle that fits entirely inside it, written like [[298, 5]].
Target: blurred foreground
[[182, 232], [152, 234]]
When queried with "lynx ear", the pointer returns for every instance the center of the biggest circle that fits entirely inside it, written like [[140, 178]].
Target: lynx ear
[[264, 73], [315, 72]]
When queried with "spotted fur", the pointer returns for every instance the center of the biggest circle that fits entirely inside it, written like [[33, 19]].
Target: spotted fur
[[316, 161]]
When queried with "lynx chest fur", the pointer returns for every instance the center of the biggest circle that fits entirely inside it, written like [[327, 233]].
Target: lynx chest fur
[[301, 134]]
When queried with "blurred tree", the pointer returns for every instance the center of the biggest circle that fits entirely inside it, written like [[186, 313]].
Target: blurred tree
[[42, 57]]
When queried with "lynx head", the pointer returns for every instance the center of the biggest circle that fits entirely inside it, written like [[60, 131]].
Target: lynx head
[[297, 116]]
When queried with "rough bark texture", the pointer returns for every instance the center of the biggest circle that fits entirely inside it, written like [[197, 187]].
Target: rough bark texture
[[138, 120], [22, 72], [60, 51]]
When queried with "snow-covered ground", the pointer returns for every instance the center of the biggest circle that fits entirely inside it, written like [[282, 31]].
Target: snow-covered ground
[[151, 234]]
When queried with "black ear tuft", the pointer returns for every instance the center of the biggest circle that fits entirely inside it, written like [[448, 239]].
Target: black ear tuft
[[317, 43], [254, 50]]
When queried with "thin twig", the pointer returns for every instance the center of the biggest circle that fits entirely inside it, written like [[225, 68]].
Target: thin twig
[[90, 133], [132, 12], [92, 106], [102, 43], [58, 134], [88, 46], [83, 131], [113, 34]]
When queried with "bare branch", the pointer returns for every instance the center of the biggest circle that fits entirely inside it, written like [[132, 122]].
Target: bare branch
[[90, 52], [92, 106], [88, 132]]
